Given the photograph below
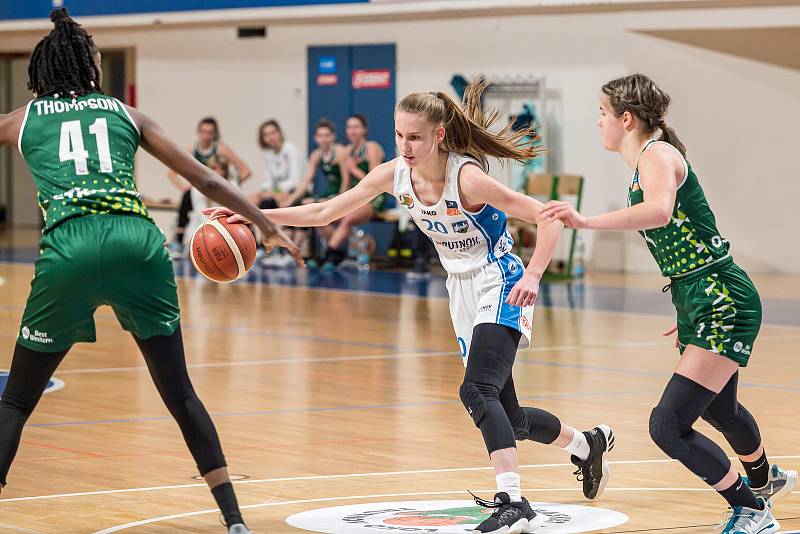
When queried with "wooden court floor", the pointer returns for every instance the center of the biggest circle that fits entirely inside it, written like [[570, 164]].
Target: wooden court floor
[[333, 398]]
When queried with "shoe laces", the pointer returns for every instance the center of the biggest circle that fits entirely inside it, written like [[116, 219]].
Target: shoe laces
[[486, 504], [731, 517], [584, 469], [502, 509], [578, 474]]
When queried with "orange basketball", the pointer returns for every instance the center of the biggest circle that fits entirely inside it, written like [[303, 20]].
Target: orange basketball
[[223, 251]]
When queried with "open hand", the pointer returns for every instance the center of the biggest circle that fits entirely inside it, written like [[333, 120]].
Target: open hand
[[564, 212]]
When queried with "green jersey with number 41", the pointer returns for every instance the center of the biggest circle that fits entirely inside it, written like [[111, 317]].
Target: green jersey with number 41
[[81, 154], [690, 241]]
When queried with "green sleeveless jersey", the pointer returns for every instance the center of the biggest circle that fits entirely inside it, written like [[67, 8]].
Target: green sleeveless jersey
[[203, 157], [332, 173], [690, 241], [81, 154]]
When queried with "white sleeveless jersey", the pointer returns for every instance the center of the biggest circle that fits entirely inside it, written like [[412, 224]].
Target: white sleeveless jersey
[[465, 241]]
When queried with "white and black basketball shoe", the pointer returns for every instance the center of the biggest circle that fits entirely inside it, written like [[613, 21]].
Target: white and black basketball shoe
[[508, 517], [593, 471]]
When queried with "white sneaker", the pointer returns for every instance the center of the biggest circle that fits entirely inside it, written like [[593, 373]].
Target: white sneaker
[[271, 260], [741, 520], [780, 483], [285, 260]]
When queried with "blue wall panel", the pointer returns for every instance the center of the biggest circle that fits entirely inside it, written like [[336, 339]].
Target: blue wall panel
[[34, 9]]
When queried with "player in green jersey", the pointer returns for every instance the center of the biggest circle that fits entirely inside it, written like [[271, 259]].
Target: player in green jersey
[[363, 155], [99, 245], [718, 307], [330, 157]]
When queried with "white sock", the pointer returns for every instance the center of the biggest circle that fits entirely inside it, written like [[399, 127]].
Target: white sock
[[509, 483], [578, 446]]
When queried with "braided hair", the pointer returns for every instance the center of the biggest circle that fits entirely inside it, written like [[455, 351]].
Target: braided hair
[[63, 61]]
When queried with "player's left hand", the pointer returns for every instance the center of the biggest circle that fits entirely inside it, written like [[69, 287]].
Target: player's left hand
[[564, 212], [667, 333], [524, 292]]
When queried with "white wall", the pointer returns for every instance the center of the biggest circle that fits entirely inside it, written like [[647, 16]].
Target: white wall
[[736, 116]]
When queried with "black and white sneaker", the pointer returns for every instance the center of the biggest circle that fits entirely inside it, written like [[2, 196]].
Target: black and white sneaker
[[593, 471], [509, 517]]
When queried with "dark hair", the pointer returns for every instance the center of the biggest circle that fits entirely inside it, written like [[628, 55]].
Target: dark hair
[[360, 118], [641, 97], [270, 122], [325, 123], [213, 122], [63, 61], [467, 127]]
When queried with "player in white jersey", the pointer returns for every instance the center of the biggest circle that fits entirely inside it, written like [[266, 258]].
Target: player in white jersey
[[439, 179]]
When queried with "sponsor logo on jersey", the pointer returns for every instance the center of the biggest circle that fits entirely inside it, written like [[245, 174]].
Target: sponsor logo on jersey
[[406, 200], [461, 226], [485, 308], [461, 244], [742, 348], [430, 212], [452, 208], [445, 517], [526, 324], [36, 336]]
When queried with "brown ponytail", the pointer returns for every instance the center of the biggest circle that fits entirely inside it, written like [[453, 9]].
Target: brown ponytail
[[467, 126], [640, 96]]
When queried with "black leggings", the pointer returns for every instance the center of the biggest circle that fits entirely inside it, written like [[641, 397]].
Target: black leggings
[[682, 404], [489, 395], [31, 371]]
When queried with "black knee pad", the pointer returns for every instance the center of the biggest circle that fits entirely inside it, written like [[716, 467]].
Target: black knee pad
[[472, 398], [666, 432], [739, 428]]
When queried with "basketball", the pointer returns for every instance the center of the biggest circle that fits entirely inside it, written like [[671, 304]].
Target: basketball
[[223, 251]]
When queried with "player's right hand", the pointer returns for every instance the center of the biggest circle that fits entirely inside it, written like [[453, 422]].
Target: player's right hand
[[220, 211]]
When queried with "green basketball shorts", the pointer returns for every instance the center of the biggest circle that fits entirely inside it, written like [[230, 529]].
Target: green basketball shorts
[[718, 310], [95, 260]]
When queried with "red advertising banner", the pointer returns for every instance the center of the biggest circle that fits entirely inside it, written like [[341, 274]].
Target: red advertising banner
[[372, 79], [327, 79]]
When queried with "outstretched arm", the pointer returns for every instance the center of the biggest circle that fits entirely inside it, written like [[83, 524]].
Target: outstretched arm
[[479, 188], [205, 180], [658, 168], [376, 182]]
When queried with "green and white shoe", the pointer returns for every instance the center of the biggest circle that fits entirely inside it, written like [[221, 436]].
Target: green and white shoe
[[741, 520], [780, 483]]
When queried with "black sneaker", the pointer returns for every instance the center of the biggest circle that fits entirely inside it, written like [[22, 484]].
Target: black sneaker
[[593, 471], [509, 517]]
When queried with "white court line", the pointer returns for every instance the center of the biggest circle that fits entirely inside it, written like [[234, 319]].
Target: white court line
[[2, 282], [379, 357], [332, 477], [373, 496]]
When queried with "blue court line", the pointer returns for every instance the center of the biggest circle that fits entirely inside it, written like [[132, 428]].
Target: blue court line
[[340, 408]]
